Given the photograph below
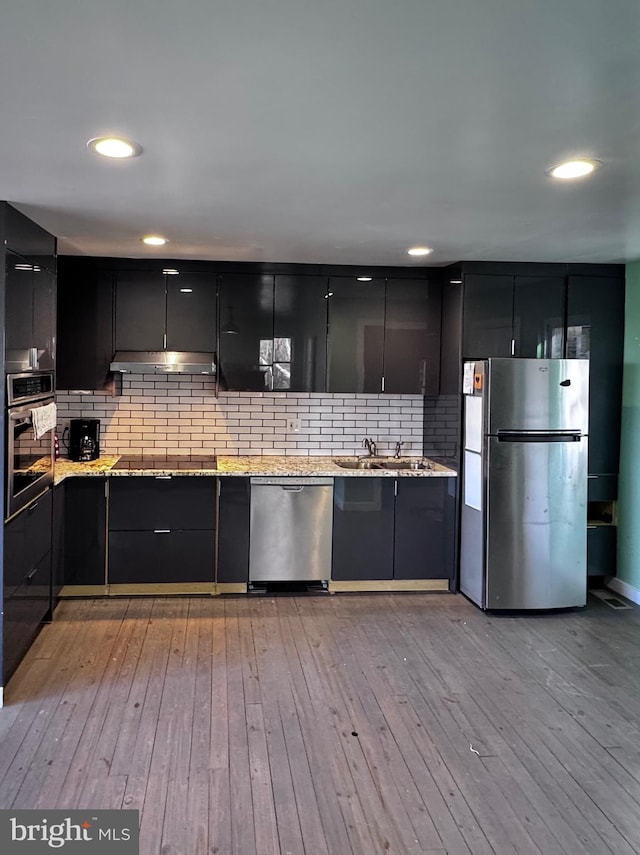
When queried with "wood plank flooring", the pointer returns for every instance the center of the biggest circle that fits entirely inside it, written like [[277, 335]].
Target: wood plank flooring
[[399, 724]]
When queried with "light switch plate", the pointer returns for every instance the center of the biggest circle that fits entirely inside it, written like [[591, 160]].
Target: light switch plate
[[294, 425]]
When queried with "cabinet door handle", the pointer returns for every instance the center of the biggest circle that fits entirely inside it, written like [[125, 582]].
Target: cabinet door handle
[[513, 347], [30, 574], [32, 507], [163, 477], [162, 531], [592, 526]]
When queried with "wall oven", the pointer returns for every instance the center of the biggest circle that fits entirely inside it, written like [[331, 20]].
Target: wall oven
[[29, 458]]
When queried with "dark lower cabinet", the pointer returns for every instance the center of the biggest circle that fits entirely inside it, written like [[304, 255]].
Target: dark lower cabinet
[[424, 543], [57, 542], [363, 520], [161, 529], [233, 529], [161, 556], [27, 580], [601, 550], [385, 528], [141, 503], [85, 522]]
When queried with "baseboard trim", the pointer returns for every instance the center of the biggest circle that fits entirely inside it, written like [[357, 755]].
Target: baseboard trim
[[390, 585], [166, 589], [624, 588], [83, 591], [231, 588]]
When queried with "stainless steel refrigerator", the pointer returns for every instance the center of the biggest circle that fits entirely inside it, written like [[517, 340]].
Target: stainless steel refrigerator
[[524, 480]]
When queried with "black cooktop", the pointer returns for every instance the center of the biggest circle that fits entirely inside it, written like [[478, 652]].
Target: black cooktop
[[169, 463]]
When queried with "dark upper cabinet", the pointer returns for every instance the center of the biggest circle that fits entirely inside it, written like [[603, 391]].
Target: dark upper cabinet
[[30, 287], [384, 335], [30, 315], [246, 332], [191, 312], [158, 311], [355, 347], [140, 310], [300, 333], [412, 337], [507, 315], [18, 303], [538, 316], [273, 332], [595, 331], [85, 326], [487, 316], [450, 344]]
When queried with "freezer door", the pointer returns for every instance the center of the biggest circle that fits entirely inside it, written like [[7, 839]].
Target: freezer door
[[536, 535], [538, 394]]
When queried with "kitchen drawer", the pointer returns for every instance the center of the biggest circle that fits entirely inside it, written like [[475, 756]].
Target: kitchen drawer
[[601, 550], [24, 612], [27, 538], [147, 503], [140, 557], [602, 487]]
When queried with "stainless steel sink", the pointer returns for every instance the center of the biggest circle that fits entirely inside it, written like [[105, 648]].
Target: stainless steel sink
[[362, 463], [402, 464], [391, 464]]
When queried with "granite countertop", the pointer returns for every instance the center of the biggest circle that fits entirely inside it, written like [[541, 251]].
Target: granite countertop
[[247, 466]]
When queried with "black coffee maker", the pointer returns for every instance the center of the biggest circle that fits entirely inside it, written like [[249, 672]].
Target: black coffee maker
[[84, 439]]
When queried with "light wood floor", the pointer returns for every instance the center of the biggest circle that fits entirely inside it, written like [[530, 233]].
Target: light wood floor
[[334, 725]]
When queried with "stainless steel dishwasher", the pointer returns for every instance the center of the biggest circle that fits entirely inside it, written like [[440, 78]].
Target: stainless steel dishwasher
[[291, 528]]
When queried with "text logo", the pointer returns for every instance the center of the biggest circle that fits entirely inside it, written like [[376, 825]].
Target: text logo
[[33, 832]]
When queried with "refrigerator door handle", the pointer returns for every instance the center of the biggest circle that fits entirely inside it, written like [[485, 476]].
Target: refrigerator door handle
[[539, 435]]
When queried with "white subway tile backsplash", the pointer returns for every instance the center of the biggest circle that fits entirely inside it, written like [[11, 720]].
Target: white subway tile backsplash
[[176, 415]]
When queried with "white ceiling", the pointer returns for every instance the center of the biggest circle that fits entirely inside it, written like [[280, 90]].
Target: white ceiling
[[326, 131]]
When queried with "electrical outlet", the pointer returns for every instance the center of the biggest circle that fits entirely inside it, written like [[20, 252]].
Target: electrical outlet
[[294, 425]]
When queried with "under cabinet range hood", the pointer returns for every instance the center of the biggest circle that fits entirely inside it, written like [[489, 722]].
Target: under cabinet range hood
[[163, 362]]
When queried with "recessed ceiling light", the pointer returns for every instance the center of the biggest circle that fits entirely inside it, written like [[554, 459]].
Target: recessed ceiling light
[[170, 271], [577, 168], [117, 147], [154, 240], [364, 278], [419, 250]]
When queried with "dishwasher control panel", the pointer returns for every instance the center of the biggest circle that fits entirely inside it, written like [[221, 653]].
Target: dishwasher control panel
[[291, 481]]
